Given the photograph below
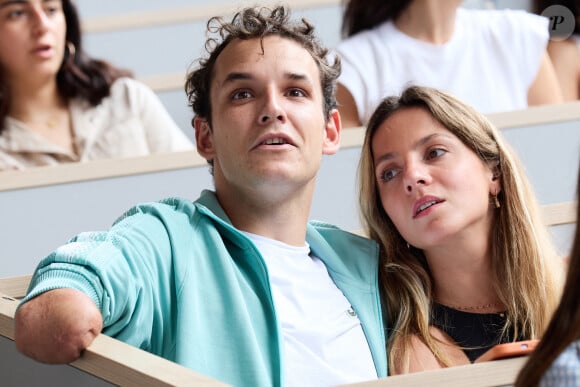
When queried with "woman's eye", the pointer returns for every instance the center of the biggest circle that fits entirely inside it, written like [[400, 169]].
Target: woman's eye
[[435, 152], [15, 13], [53, 7], [389, 174], [244, 94]]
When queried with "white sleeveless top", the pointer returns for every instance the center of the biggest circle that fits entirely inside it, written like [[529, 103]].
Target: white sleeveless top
[[490, 61], [576, 38]]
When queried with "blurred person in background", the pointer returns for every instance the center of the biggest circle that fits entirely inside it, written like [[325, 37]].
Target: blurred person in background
[[495, 60], [565, 54], [58, 105]]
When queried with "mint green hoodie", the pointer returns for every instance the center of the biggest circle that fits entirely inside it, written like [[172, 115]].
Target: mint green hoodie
[[175, 278]]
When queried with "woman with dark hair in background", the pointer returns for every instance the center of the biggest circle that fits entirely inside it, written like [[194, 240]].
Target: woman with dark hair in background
[[58, 105], [565, 54], [495, 60]]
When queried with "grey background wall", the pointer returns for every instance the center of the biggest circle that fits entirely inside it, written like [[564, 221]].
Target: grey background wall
[[28, 226], [174, 48]]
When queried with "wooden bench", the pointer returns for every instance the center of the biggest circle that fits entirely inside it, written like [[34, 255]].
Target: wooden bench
[[107, 359]]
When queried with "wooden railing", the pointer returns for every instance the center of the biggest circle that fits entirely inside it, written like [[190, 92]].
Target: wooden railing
[[180, 15], [486, 374], [351, 138], [115, 361], [184, 14], [122, 364]]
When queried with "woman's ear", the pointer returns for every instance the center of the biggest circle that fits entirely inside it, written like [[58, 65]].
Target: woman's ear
[[204, 138], [495, 180]]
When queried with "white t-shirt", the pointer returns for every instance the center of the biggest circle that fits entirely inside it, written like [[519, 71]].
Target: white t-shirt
[[576, 38], [323, 341], [490, 61]]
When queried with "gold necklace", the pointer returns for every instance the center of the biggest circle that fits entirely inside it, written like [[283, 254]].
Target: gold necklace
[[52, 123], [474, 307]]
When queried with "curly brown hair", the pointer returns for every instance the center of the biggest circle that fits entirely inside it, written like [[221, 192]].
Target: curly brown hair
[[251, 23]]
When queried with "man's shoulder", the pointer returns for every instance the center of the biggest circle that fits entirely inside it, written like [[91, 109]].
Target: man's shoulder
[[166, 208], [325, 226], [337, 236]]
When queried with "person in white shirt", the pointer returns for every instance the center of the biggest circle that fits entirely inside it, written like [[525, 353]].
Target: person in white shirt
[[495, 60]]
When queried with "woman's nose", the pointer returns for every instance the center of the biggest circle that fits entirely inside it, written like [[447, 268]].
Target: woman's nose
[[415, 175], [40, 21]]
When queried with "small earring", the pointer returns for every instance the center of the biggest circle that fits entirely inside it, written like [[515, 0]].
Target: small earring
[[408, 246], [496, 201], [71, 48]]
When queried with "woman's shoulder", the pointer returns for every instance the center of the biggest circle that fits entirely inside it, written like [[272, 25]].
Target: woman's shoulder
[[127, 85], [421, 358], [132, 93], [504, 21], [568, 49]]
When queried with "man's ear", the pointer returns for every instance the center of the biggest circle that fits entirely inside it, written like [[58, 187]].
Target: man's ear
[[204, 138], [331, 140]]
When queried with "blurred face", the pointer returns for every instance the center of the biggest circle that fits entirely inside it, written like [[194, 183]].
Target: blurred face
[[32, 37], [434, 188], [269, 130]]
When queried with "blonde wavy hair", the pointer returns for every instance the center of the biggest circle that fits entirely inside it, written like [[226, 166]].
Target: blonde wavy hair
[[524, 262]]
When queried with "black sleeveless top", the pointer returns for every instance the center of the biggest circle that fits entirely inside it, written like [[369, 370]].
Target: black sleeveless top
[[475, 333]]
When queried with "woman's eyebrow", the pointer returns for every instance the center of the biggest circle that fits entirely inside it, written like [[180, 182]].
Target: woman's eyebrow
[[10, 2], [417, 144]]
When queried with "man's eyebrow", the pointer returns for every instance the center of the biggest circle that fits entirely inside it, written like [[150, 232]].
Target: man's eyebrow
[[236, 76], [297, 76]]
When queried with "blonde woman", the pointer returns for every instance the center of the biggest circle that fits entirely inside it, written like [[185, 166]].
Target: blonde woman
[[467, 262]]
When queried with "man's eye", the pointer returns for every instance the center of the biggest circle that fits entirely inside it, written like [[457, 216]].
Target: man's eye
[[296, 93], [244, 94]]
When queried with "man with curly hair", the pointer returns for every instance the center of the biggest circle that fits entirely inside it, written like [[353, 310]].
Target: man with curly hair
[[237, 285]]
